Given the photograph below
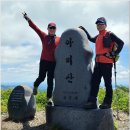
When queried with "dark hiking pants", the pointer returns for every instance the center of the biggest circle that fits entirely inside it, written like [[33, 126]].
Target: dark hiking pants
[[102, 70], [46, 68]]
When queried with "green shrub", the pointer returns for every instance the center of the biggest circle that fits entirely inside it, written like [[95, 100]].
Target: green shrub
[[120, 98], [101, 95], [4, 99], [5, 93], [122, 92], [125, 89], [40, 100], [115, 125]]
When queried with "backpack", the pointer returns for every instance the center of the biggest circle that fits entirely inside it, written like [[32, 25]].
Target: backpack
[[107, 42]]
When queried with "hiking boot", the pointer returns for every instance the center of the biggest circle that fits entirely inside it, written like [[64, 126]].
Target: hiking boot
[[90, 105], [49, 101], [35, 90], [105, 106]]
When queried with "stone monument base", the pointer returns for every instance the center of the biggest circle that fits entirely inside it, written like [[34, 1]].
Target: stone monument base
[[71, 118]]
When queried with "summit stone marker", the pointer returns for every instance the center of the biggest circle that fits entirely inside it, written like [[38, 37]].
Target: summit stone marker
[[73, 69]]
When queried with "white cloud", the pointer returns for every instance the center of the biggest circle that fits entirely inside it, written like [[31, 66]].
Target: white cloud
[[122, 72], [20, 73], [121, 30], [79, 14], [18, 54]]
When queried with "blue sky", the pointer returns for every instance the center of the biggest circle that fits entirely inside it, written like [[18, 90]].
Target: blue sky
[[21, 46]]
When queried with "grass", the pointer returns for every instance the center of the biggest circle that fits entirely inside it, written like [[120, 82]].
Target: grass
[[122, 92]]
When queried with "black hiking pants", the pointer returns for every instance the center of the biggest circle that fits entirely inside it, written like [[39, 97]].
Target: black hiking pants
[[101, 70], [46, 68]]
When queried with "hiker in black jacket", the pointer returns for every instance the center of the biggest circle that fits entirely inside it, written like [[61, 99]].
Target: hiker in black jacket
[[105, 43]]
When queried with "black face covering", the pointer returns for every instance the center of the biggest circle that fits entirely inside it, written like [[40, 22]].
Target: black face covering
[[51, 39]]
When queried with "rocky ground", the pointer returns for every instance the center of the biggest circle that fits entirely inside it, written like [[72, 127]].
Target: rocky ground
[[39, 122]]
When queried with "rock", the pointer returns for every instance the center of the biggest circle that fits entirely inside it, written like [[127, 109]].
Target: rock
[[71, 118], [21, 104]]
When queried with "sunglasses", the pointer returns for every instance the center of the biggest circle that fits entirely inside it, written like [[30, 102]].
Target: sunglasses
[[52, 27]]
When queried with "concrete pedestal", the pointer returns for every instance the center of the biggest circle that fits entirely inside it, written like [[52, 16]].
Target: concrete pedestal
[[71, 118]]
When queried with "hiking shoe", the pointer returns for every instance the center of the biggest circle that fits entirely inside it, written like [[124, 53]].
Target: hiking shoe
[[90, 105], [35, 91], [49, 102], [105, 106]]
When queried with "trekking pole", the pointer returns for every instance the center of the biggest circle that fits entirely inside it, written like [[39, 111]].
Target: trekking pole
[[117, 111]]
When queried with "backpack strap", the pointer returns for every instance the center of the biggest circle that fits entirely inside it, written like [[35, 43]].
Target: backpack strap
[[108, 33]]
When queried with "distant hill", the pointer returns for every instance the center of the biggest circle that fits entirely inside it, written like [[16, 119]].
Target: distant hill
[[5, 86]]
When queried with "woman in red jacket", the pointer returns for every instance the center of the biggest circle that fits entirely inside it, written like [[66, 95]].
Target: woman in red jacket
[[47, 60], [104, 43]]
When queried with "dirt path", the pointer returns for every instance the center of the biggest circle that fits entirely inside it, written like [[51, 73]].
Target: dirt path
[[123, 123], [38, 123]]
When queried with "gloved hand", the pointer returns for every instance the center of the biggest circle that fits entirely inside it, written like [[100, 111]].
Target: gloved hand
[[81, 27], [26, 16], [111, 54]]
